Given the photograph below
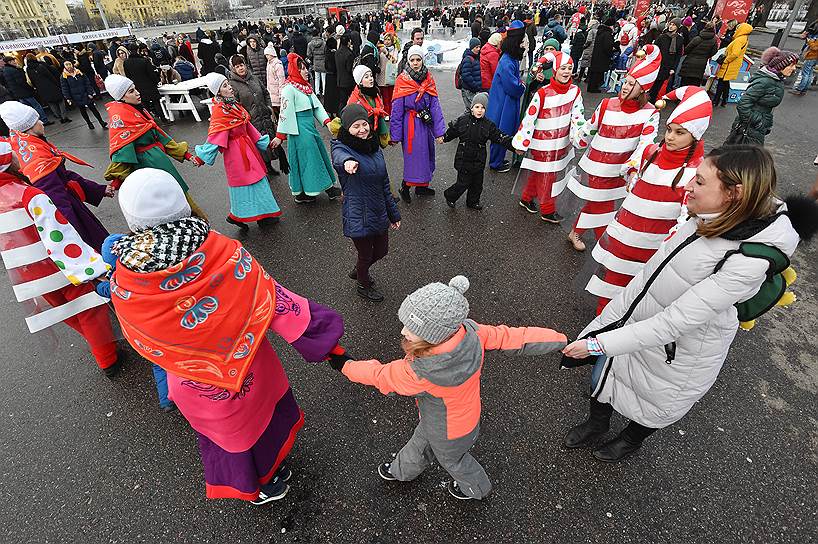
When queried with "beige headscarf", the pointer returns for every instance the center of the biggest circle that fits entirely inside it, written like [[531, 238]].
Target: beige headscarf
[[119, 64]]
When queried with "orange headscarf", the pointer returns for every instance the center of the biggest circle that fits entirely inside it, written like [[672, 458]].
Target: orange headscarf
[[127, 124], [38, 158]]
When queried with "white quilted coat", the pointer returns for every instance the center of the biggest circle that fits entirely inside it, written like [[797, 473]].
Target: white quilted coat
[[687, 304]]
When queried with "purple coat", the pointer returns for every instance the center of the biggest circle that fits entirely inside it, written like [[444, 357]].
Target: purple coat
[[86, 223], [419, 165]]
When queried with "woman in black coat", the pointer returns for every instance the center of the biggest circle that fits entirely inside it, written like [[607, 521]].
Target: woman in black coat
[[228, 44], [207, 53], [343, 64], [697, 54], [76, 88], [604, 47], [145, 78], [47, 84], [331, 98]]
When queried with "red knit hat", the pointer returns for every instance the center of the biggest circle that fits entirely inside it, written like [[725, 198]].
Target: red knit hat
[[646, 69]]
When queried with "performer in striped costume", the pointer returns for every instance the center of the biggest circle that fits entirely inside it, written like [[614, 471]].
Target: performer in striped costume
[[657, 178], [552, 118], [619, 126], [49, 265]]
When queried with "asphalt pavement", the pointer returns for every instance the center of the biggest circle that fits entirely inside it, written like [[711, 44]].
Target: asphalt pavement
[[89, 460]]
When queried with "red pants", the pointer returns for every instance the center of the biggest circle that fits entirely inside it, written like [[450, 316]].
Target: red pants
[[94, 325], [386, 94], [539, 186]]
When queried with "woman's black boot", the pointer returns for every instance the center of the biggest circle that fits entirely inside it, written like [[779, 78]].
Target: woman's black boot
[[623, 446], [597, 424]]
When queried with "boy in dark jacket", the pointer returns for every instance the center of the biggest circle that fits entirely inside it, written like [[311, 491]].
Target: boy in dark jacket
[[474, 130], [471, 81]]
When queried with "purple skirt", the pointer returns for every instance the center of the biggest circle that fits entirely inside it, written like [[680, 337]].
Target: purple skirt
[[241, 475]]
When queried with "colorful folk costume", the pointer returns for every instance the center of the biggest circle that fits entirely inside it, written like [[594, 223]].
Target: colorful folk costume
[[196, 303], [232, 134], [616, 129], [136, 141], [506, 92], [310, 166], [654, 203], [371, 100], [416, 120], [49, 265], [550, 123], [44, 166]]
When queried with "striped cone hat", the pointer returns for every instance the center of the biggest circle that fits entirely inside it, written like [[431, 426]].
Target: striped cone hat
[[694, 110], [646, 69], [558, 59]]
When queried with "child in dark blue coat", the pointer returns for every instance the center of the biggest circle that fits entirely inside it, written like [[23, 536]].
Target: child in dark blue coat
[[368, 208]]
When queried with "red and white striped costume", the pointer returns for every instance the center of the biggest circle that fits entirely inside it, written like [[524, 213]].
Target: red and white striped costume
[[550, 124], [653, 205], [49, 265], [616, 130]]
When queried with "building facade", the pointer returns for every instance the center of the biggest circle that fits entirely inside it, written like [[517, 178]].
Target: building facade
[[22, 19], [145, 12]]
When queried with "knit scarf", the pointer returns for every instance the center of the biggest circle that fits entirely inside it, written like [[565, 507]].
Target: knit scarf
[[417, 75], [560, 88], [366, 147], [160, 247]]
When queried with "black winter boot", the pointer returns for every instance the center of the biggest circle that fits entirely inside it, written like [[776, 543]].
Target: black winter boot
[[597, 424], [623, 446]]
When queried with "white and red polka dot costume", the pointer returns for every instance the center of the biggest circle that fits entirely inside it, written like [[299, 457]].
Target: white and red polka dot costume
[[551, 121], [49, 264]]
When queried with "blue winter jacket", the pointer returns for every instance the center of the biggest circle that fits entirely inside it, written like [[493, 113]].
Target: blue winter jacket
[[368, 207], [76, 88], [470, 72], [186, 69], [505, 95], [555, 30]]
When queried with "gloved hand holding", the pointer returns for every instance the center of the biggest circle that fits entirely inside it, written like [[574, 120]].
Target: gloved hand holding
[[338, 361]]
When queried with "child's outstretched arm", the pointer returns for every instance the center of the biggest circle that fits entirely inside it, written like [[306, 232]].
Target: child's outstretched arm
[[395, 377], [521, 340]]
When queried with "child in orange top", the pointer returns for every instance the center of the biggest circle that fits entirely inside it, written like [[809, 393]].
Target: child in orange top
[[444, 358]]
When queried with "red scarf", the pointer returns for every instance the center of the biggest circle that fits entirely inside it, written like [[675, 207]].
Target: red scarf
[[294, 76], [202, 319], [560, 88], [357, 97], [127, 124], [404, 86], [38, 158], [226, 116]]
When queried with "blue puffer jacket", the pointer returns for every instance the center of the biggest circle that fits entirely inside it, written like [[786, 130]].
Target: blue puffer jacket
[[470, 72], [186, 69], [76, 88], [368, 206], [555, 30]]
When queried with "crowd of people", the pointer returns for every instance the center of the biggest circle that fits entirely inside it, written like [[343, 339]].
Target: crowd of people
[[688, 244]]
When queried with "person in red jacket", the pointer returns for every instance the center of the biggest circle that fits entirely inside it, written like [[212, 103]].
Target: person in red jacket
[[489, 57], [444, 358]]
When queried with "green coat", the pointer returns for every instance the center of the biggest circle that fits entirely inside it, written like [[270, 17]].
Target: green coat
[[125, 160], [755, 108]]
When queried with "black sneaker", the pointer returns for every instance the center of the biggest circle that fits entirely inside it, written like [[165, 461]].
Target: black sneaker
[[383, 472], [505, 167], [275, 490], [333, 193], [405, 195], [477, 206], [64, 121], [369, 293], [455, 491], [114, 369], [353, 275], [304, 198], [169, 407], [450, 203], [554, 218], [284, 473], [424, 191], [239, 224], [529, 206]]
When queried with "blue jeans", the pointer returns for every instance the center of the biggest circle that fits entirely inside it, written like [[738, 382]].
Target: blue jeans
[[161, 379], [596, 373], [806, 75], [31, 101]]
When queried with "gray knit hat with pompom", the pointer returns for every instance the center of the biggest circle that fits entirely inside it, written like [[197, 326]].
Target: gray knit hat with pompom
[[435, 312]]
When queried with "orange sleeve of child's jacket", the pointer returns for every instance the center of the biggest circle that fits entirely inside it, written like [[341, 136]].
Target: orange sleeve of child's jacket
[[521, 340], [395, 377]]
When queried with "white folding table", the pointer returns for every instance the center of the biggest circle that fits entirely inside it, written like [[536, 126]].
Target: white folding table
[[182, 89]]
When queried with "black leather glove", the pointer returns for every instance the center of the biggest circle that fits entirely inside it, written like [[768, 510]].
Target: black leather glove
[[338, 361]]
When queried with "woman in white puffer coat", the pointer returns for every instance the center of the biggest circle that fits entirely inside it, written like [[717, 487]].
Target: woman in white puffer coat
[[679, 315]]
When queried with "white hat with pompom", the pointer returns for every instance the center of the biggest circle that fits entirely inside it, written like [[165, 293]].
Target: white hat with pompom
[[436, 311]]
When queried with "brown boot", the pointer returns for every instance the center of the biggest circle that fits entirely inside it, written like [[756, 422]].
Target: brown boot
[[576, 241]]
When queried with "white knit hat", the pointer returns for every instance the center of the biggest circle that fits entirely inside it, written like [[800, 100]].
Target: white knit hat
[[269, 50], [117, 86], [415, 50], [359, 72], [694, 110], [339, 30], [18, 116], [214, 82], [151, 197]]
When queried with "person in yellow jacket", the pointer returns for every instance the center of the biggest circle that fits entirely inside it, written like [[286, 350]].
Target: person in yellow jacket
[[729, 67]]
